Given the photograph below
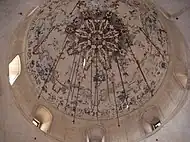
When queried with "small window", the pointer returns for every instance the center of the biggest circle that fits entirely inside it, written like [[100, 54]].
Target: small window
[[95, 140], [151, 119], [42, 118], [95, 134], [87, 139], [36, 123], [14, 69], [103, 139], [156, 125]]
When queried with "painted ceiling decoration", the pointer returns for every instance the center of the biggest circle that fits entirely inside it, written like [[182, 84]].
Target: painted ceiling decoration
[[96, 59]]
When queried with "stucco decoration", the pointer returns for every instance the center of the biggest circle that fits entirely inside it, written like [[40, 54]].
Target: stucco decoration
[[96, 59]]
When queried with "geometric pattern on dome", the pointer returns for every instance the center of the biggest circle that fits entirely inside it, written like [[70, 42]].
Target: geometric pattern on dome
[[96, 59]]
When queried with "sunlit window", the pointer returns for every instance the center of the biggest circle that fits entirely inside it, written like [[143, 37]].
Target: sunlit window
[[103, 139], [14, 69], [156, 125], [151, 119], [87, 139], [95, 139], [42, 118], [36, 122]]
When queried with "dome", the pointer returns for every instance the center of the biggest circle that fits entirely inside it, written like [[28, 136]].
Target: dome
[[96, 59], [79, 69]]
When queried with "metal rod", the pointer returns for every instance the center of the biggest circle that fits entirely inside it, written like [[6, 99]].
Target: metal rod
[[76, 103], [75, 7], [107, 79], [107, 82], [53, 27], [42, 41], [96, 85], [91, 82], [120, 76], [152, 42], [142, 73], [70, 80], [116, 107], [70, 75], [53, 66], [72, 89], [77, 69]]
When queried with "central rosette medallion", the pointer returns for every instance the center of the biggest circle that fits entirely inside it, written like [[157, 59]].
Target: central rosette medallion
[[96, 34]]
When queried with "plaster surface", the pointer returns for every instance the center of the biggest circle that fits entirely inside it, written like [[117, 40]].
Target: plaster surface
[[14, 127]]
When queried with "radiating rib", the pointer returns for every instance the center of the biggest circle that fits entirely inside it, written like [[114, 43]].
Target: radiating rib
[[103, 25], [113, 86], [90, 25], [53, 66], [152, 42]]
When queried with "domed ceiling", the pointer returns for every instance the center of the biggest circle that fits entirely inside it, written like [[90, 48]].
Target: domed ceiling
[[96, 59]]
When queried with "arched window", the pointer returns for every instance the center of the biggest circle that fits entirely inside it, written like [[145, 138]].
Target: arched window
[[103, 139], [151, 119], [87, 139], [42, 118], [14, 69], [95, 134], [155, 123], [96, 139]]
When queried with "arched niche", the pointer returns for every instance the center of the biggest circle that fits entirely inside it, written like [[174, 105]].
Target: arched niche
[[95, 134], [182, 78], [14, 69], [151, 119], [42, 118], [180, 72]]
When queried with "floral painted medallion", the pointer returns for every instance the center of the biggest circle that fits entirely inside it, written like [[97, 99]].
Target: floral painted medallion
[[96, 33], [96, 59]]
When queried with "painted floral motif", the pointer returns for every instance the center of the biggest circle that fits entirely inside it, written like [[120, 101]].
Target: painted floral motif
[[97, 59], [96, 33]]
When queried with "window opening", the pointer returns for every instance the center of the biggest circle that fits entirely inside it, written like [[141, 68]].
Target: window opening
[[156, 125], [14, 69], [36, 123]]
